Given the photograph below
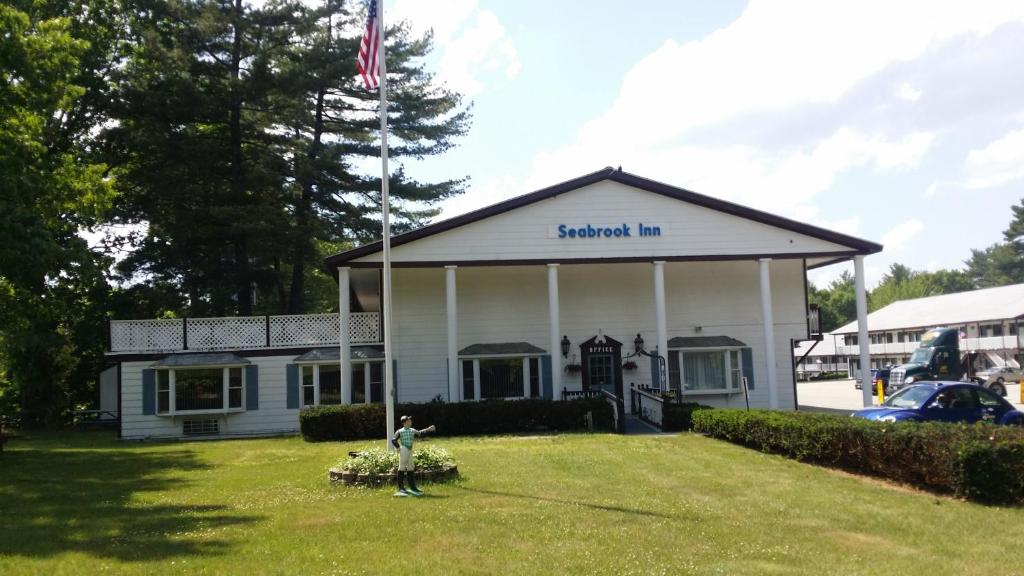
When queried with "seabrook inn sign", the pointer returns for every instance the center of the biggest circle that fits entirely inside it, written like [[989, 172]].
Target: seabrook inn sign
[[585, 231]]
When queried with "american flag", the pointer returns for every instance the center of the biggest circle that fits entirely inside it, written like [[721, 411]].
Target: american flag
[[369, 64]]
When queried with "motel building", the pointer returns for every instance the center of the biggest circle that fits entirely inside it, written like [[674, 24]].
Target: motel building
[[548, 295]]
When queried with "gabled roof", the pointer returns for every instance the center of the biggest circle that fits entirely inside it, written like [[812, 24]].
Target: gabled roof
[[856, 245], [1001, 303]]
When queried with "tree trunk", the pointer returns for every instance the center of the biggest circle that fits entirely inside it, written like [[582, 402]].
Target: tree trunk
[[241, 245], [300, 250]]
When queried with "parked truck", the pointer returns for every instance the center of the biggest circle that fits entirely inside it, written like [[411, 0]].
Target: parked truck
[[939, 358]]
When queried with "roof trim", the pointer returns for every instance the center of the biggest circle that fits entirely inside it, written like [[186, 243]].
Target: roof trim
[[502, 349], [858, 245], [704, 342], [199, 359], [609, 260]]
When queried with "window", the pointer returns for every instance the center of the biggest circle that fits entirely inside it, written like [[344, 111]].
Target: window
[[535, 377], [988, 399], [235, 387], [736, 372], [330, 384], [367, 382], [183, 390], [501, 378], [321, 384], [309, 385], [705, 370], [199, 389], [377, 382], [489, 378], [358, 376], [163, 391], [468, 380]]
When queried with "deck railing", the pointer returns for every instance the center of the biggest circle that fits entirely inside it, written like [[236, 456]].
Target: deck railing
[[240, 333]]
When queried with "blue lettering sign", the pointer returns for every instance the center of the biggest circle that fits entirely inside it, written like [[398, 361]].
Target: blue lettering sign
[[618, 231]]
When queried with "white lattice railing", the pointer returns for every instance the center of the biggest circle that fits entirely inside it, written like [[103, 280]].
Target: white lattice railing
[[237, 333], [227, 333], [146, 335]]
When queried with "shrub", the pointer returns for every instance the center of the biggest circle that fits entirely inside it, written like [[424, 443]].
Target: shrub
[[381, 461], [981, 462], [359, 421], [677, 417]]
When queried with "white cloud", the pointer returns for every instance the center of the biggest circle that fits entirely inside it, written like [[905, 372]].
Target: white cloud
[[900, 235], [908, 92], [471, 41], [777, 56], [1001, 162]]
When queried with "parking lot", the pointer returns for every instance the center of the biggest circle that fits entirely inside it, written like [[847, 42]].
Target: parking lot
[[841, 396]]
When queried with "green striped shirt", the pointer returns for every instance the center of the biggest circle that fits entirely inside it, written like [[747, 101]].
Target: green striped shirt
[[405, 435]]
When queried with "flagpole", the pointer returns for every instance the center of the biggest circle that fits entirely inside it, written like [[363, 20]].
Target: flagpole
[[389, 372]]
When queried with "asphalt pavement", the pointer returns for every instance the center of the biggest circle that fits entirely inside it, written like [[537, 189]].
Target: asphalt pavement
[[840, 396]]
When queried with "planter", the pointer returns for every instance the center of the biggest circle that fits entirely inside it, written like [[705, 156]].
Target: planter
[[350, 479]]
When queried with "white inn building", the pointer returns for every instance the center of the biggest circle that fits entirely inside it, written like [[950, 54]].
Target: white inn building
[[545, 295]]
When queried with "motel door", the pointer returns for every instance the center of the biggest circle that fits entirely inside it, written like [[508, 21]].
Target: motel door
[[602, 364]]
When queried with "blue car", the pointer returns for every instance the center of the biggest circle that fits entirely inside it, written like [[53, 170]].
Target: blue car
[[944, 402]]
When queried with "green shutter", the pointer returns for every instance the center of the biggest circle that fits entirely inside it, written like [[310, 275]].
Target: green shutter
[[394, 374], [252, 387], [655, 372], [292, 386], [148, 392], [748, 367], [546, 377]]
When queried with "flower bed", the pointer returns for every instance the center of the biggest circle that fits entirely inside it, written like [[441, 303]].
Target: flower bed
[[377, 467]]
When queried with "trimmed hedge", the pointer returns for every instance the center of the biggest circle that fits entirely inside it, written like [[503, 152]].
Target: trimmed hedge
[[981, 462], [359, 421], [678, 417]]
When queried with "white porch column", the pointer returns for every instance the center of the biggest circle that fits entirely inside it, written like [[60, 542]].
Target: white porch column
[[554, 329], [764, 270], [863, 343], [660, 315], [453, 333], [344, 335]]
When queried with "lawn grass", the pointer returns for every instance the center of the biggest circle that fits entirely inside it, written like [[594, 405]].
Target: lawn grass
[[571, 504]]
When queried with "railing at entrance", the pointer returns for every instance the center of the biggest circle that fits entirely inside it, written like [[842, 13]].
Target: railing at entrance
[[618, 404], [647, 404]]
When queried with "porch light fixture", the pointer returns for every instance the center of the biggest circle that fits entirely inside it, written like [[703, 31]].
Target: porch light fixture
[[565, 346], [638, 344]]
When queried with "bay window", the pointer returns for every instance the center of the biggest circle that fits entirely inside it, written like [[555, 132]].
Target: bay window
[[708, 371], [500, 377], [367, 382], [197, 390], [320, 384]]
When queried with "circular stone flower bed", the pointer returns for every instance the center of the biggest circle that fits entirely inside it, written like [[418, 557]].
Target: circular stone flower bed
[[377, 467]]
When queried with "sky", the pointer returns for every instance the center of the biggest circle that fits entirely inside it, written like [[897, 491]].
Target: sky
[[897, 122]]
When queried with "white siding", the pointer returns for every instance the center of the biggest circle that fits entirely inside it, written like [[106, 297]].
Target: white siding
[[271, 418], [509, 304], [686, 230]]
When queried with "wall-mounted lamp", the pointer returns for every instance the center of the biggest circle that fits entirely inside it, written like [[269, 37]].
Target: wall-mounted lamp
[[565, 346], [638, 344], [698, 328]]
